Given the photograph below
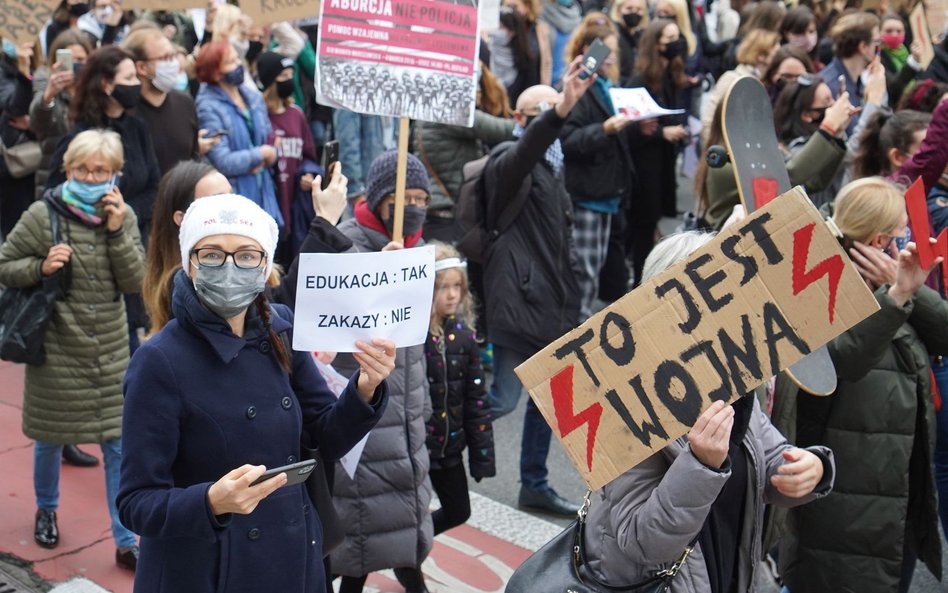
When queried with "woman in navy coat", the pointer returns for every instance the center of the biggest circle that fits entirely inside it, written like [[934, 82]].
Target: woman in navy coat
[[216, 389]]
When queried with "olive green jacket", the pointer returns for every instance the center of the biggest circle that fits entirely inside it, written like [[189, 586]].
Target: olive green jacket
[[444, 149], [76, 396], [880, 424], [814, 167]]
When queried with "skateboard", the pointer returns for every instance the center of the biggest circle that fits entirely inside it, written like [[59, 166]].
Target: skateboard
[[761, 174]]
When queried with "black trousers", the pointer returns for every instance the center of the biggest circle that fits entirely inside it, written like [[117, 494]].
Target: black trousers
[[451, 487]]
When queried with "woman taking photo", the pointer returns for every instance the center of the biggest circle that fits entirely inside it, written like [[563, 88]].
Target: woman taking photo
[[217, 396], [225, 103], [76, 396]]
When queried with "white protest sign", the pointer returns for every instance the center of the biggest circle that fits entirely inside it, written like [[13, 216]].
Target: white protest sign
[[637, 104], [344, 297], [337, 384]]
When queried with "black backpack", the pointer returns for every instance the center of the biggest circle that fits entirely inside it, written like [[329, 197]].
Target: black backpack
[[476, 232]]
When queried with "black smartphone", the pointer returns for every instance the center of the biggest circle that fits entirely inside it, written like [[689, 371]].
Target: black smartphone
[[593, 58], [295, 472], [330, 158]]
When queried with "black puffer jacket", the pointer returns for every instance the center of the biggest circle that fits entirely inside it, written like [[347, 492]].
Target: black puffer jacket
[[531, 267], [460, 411]]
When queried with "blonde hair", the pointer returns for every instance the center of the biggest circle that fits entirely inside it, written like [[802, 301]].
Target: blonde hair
[[226, 21], [684, 23], [867, 207], [616, 16], [594, 26], [756, 44], [94, 142], [465, 312], [671, 250]]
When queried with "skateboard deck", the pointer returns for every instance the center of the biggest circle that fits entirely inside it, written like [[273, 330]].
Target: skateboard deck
[[761, 174]]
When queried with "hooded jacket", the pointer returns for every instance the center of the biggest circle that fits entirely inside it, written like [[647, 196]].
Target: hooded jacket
[[76, 396], [641, 522], [385, 508], [201, 401]]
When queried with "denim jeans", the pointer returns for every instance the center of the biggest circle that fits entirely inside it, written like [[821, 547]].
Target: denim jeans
[[360, 142], [47, 460], [940, 368], [504, 394]]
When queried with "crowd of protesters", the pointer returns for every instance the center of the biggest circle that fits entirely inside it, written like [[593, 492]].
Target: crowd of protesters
[[138, 130]]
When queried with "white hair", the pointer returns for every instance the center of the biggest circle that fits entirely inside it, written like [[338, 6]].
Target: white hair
[[671, 250]]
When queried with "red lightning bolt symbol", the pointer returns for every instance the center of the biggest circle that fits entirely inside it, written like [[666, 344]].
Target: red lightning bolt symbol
[[562, 387], [832, 267]]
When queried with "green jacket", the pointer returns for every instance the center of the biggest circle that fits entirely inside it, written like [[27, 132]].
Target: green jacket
[[444, 149], [880, 424], [76, 397], [814, 167]]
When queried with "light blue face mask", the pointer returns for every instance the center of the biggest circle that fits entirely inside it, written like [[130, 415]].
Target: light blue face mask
[[89, 193], [9, 48], [181, 84]]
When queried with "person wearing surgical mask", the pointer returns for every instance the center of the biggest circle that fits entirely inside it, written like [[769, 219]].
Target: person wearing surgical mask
[[76, 395], [901, 63], [631, 19], [105, 23], [798, 30], [169, 114]]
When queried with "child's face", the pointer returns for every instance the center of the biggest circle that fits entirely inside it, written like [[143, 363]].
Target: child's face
[[449, 290]]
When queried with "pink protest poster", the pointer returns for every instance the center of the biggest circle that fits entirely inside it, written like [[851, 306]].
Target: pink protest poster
[[400, 58]]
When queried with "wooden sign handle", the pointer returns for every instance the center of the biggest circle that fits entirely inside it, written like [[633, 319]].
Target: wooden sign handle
[[400, 174]]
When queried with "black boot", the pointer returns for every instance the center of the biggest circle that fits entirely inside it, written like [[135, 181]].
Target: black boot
[[73, 455], [411, 579], [45, 531], [127, 558], [547, 501]]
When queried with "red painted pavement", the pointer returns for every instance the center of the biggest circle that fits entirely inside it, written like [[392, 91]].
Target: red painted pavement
[[464, 560]]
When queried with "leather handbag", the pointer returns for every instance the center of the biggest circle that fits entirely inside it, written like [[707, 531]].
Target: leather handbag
[[25, 312], [319, 488], [22, 159], [555, 568]]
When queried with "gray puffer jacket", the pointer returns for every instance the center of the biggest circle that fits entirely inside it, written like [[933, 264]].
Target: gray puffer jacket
[[642, 521], [385, 507]]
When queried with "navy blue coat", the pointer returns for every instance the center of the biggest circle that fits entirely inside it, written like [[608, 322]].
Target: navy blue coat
[[199, 402]]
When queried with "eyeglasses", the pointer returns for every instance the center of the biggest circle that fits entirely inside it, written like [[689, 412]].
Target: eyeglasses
[[416, 200], [97, 175], [541, 107], [245, 259]]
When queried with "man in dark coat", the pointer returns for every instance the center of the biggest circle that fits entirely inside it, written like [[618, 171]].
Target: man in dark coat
[[530, 269]]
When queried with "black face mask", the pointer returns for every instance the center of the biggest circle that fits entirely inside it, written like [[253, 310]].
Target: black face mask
[[632, 19], [820, 114], [414, 219], [127, 95], [253, 50], [285, 88], [674, 49], [78, 10]]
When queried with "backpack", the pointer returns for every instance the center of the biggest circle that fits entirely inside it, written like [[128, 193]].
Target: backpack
[[476, 232]]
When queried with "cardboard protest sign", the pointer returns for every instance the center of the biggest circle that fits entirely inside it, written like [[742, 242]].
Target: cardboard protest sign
[[917, 207], [22, 20], [922, 34], [756, 299], [344, 297], [401, 58], [264, 12], [637, 104]]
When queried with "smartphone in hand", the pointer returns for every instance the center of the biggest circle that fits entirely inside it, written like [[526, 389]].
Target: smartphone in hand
[[593, 58], [295, 472], [64, 59], [330, 157]]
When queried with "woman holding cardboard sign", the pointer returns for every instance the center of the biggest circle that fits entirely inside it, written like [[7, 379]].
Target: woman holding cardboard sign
[[214, 397], [707, 489]]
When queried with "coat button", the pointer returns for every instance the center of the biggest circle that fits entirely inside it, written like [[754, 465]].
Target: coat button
[[251, 412], [287, 403], [253, 535], [291, 459], [265, 346], [305, 509]]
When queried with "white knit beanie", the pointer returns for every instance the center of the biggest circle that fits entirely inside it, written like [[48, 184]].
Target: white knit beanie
[[227, 214]]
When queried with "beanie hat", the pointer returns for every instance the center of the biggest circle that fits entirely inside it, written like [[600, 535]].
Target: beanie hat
[[269, 66], [380, 180], [227, 214]]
